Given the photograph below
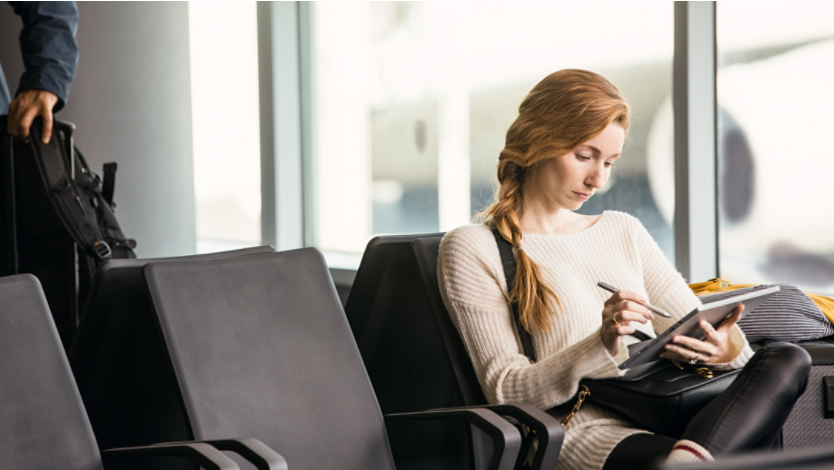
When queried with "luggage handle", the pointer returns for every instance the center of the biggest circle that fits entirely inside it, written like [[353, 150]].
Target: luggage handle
[[11, 203]]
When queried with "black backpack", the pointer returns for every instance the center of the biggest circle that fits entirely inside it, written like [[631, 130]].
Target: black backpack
[[84, 203], [58, 221]]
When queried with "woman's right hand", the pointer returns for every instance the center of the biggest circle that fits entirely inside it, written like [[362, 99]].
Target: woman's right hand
[[620, 310]]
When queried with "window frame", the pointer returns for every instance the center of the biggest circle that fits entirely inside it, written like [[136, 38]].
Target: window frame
[[695, 109], [285, 32]]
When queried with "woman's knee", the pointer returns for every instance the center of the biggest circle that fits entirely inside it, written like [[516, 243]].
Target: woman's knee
[[789, 355], [792, 362]]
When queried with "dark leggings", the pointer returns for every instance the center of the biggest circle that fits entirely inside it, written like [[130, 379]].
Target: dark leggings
[[748, 415]]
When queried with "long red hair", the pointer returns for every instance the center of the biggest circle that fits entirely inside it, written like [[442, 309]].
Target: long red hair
[[561, 112]]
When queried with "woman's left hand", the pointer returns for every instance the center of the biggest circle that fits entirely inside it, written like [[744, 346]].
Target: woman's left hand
[[717, 348]]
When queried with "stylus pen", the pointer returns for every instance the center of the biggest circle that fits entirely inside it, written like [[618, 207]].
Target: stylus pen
[[649, 306]]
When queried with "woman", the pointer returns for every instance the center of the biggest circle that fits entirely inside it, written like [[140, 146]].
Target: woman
[[559, 152]]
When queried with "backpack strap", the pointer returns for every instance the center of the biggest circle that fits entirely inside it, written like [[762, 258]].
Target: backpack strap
[[508, 261], [55, 168]]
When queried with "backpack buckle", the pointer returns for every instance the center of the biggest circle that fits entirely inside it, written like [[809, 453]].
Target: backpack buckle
[[102, 249]]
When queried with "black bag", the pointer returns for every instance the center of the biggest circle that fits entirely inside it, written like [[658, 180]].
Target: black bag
[[58, 220], [661, 397], [81, 200]]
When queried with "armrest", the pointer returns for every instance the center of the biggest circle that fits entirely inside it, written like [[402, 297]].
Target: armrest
[[204, 455], [253, 450], [549, 432], [505, 437]]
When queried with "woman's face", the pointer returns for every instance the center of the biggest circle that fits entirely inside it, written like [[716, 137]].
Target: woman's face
[[569, 180]]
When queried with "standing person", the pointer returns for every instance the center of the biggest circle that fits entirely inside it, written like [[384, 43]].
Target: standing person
[[559, 151], [50, 56]]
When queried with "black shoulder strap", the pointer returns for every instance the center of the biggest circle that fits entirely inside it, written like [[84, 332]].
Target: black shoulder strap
[[73, 211], [508, 261]]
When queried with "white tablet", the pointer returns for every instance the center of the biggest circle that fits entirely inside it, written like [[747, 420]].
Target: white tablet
[[714, 312]]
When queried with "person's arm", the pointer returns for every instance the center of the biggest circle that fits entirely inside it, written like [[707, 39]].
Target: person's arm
[[50, 57], [473, 288], [668, 290]]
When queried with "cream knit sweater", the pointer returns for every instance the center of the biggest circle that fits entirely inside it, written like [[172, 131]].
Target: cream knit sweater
[[618, 250]]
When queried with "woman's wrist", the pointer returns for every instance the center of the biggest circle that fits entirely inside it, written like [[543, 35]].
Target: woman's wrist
[[612, 346]]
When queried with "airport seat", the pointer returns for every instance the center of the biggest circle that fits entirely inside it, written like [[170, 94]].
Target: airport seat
[[811, 458], [387, 313], [425, 251], [260, 345], [391, 319], [44, 424], [548, 430], [119, 360]]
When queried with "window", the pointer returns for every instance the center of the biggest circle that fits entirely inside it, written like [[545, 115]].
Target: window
[[412, 102], [224, 101], [776, 197]]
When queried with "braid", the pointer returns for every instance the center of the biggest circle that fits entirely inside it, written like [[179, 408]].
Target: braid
[[529, 289], [504, 213]]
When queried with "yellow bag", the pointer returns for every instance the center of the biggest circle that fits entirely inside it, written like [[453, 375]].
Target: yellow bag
[[825, 304]]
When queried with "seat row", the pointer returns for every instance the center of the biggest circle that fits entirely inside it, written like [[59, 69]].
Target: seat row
[[247, 359]]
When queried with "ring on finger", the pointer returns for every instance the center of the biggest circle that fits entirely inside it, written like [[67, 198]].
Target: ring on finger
[[614, 317], [695, 359]]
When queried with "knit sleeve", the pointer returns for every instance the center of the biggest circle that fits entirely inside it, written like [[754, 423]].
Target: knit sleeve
[[668, 290], [474, 291]]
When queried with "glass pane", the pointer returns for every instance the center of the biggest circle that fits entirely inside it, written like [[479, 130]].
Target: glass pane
[[775, 99], [224, 101], [413, 101]]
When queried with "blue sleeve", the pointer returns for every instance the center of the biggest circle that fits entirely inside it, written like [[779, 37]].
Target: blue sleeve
[[47, 41]]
